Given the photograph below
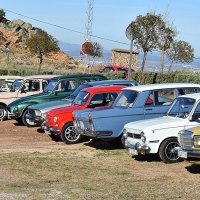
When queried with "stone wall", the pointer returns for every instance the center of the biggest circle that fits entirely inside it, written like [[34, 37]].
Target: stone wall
[[120, 57]]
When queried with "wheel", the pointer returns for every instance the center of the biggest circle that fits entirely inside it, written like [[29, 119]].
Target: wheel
[[68, 136], [167, 152], [3, 113], [26, 121]]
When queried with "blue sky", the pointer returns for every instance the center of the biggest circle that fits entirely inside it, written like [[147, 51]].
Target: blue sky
[[110, 18]]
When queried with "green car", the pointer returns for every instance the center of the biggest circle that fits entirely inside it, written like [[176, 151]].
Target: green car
[[58, 88]]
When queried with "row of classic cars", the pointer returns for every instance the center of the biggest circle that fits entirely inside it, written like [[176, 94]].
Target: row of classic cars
[[146, 119]]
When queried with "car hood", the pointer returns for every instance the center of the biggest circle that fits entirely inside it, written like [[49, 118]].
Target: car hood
[[156, 123], [45, 107], [63, 110]]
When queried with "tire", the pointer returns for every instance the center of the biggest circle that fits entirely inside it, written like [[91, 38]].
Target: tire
[[3, 113], [167, 152], [26, 121], [68, 136]]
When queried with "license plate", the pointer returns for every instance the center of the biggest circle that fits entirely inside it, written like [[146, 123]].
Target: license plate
[[132, 151], [182, 154]]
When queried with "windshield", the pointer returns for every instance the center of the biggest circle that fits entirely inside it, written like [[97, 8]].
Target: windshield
[[125, 99], [50, 86], [78, 89], [181, 107], [82, 98], [16, 85]]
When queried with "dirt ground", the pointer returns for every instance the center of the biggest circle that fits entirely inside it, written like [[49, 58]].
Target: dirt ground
[[14, 137], [141, 177]]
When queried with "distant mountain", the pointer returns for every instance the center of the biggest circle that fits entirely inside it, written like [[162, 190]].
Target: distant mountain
[[152, 61]]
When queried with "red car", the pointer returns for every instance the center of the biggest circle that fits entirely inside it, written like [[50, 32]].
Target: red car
[[116, 69], [60, 121]]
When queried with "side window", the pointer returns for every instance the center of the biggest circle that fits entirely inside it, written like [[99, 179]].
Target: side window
[[104, 99], [31, 85], [188, 91], [66, 85], [44, 83], [160, 97]]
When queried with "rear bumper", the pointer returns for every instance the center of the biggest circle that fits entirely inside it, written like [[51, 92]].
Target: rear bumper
[[91, 133]]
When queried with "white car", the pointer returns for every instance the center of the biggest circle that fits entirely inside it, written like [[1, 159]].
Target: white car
[[159, 135]]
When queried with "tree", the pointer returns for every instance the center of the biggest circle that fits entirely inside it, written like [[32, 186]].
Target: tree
[[2, 14], [41, 44], [166, 37], [96, 53], [145, 31], [180, 51]]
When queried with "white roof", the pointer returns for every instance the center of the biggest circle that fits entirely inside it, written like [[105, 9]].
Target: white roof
[[39, 76], [141, 88], [193, 95]]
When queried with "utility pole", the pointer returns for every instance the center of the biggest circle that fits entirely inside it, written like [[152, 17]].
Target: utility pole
[[88, 27]]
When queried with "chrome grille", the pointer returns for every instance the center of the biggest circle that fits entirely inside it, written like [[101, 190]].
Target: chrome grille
[[31, 111], [186, 141], [137, 136]]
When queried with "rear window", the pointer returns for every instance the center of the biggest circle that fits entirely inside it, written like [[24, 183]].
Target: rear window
[[125, 99]]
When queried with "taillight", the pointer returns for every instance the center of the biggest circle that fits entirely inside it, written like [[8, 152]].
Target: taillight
[[90, 119]]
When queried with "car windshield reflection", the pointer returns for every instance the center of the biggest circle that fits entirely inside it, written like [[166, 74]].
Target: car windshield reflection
[[181, 107], [16, 85], [81, 99], [50, 86]]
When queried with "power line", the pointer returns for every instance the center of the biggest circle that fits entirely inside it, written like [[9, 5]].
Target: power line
[[66, 28], [74, 30]]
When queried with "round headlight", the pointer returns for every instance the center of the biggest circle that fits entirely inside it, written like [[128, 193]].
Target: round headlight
[[125, 133], [38, 113], [55, 118], [143, 137]]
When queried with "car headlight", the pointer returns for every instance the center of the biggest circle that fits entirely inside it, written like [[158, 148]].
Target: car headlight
[[143, 137], [55, 118], [125, 133], [38, 113], [197, 141]]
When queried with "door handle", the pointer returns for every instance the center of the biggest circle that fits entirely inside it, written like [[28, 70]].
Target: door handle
[[148, 108]]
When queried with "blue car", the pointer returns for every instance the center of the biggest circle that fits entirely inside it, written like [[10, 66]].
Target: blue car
[[132, 104]]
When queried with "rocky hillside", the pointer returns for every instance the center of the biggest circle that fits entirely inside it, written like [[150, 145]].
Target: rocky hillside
[[15, 55]]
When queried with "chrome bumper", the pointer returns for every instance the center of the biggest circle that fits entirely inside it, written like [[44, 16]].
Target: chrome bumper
[[90, 133], [50, 129], [138, 147], [36, 119], [190, 153]]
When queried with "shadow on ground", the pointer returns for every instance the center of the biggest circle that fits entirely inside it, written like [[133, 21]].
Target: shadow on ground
[[103, 145], [193, 169], [147, 158]]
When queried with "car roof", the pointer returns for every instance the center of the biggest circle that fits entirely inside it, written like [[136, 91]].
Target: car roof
[[39, 76], [142, 88], [103, 88], [193, 95], [110, 82], [79, 75]]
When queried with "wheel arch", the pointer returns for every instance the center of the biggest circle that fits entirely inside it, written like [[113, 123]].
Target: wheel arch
[[172, 137]]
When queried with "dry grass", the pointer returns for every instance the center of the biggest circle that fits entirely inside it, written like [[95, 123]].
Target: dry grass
[[32, 166]]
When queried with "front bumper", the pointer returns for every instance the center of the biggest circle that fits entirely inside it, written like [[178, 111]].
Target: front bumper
[[190, 155], [49, 130], [91, 133], [11, 115], [137, 148], [36, 119]]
